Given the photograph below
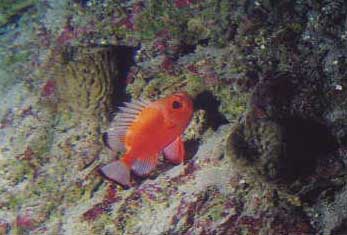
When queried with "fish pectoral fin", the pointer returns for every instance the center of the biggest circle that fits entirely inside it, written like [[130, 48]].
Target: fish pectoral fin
[[175, 152], [117, 171], [143, 166]]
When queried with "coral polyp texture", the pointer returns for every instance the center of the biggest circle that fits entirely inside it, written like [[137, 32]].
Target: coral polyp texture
[[266, 150]]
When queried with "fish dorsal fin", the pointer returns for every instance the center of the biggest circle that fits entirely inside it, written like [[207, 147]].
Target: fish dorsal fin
[[143, 166], [174, 152], [120, 124]]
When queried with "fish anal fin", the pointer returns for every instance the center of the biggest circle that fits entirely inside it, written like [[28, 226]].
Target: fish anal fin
[[143, 166], [175, 152], [118, 172]]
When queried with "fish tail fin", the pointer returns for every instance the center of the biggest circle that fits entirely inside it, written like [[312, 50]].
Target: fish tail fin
[[117, 171]]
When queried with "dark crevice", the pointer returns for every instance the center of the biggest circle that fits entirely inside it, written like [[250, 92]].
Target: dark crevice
[[82, 3], [105, 140], [342, 229], [124, 59], [306, 142], [185, 49], [323, 188], [13, 19], [208, 102], [204, 42], [191, 147], [121, 58]]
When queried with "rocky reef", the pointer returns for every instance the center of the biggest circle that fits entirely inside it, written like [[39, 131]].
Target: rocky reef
[[266, 150]]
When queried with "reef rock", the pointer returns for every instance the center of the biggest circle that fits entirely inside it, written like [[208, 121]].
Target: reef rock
[[266, 148]]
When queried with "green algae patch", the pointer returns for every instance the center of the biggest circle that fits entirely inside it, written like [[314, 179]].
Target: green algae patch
[[16, 201], [257, 147], [213, 210], [17, 57], [152, 20], [10, 9], [18, 171], [232, 104], [197, 21], [136, 87], [197, 30], [86, 82], [103, 223], [164, 84]]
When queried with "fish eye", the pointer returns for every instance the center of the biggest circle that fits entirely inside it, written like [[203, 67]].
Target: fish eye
[[176, 105]]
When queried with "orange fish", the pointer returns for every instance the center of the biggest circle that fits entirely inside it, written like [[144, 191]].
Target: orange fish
[[145, 129]]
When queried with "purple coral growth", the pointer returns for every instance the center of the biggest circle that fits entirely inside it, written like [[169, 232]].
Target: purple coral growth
[[49, 88]]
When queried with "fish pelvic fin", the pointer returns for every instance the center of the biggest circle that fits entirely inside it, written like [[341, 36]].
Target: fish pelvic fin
[[118, 172], [143, 166], [175, 152]]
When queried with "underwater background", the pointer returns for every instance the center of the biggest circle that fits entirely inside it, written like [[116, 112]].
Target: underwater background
[[266, 150]]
